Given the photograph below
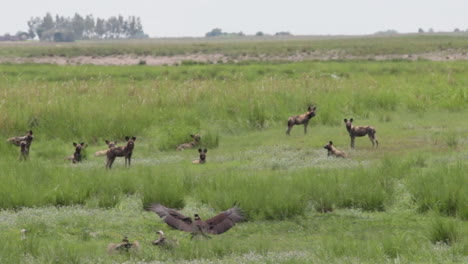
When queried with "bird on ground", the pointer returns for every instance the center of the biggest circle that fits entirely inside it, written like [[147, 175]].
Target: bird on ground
[[163, 241], [124, 246]]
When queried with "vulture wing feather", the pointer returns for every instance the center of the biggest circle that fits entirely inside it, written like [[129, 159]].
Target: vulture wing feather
[[172, 217], [225, 220]]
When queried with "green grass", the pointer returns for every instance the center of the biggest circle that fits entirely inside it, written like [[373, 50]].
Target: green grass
[[248, 47], [402, 202]]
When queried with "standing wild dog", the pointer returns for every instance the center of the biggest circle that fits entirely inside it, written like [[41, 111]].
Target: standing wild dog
[[123, 151], [301, 119], [202, 159], [24, 150], [76, 157], [196, 141], [110, 144], [24, 142], [17, 140], [332, 151], [360, 131]]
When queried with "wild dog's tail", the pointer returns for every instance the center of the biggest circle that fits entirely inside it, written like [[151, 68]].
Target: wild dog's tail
[[100, 153]]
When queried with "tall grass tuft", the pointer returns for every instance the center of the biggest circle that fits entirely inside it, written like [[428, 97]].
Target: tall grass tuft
[[444, 231], [442, 189]]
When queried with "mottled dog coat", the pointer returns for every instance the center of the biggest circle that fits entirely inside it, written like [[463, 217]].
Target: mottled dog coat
[[360, 131], [76, 157], [196, 141], [202, 158], [110, 144], [301, 119], [123, 151], [332, 151]]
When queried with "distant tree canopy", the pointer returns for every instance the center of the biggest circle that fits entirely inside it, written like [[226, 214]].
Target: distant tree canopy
[[77, 27], [283, 33], [218, 32]]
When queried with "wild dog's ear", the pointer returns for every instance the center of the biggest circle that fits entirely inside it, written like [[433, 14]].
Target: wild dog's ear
[[30, 132], [82, 144], [133, 138], [192, 135], [331, 143], [74, 144], [127, 138], [107, 141], [205, 150], [351, 120], [346, 120], [199, 150], [314, 108]]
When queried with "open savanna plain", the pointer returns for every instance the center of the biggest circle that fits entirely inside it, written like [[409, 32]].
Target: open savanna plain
[[403, 202]]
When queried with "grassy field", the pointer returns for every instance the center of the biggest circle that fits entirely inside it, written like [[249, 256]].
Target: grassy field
[[252, 47], [404, 202]]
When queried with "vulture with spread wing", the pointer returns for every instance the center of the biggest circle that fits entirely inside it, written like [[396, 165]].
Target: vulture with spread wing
[[215, 225]]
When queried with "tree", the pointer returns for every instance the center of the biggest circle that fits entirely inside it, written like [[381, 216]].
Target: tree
[[420, 30], [214, 32], [89, 26], [78, 26], [100, 27], [259, 34]]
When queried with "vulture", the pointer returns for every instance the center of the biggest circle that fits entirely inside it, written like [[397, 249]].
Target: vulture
[[163, 241], [215, 225], [124, 246]]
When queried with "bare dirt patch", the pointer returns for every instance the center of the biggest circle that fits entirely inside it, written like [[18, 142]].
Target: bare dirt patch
[[218, 58]]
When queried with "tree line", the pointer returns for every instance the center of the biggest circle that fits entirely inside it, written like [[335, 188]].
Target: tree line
[[62, 28]]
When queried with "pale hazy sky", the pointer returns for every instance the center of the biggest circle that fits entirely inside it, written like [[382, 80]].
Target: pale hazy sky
[[175, 18]]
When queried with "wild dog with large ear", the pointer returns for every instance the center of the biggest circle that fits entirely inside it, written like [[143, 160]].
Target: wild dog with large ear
[[360, 131], [196, 141], [301, 119], [110, 144], [76, 157], [123, 151], [202, 158], [332, 151]]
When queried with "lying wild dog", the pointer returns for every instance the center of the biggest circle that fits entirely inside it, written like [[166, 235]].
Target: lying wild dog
[[76, 157], [196, 141], [202, 159], [123, 151], [301, 119], [332, 151], [360, 131], [110, 144]]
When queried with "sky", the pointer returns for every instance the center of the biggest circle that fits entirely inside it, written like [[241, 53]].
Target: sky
[[185, 18]]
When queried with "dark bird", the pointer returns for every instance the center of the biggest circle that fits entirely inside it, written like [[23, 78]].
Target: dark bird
[[124, 246], [215, 225], [163, 241]]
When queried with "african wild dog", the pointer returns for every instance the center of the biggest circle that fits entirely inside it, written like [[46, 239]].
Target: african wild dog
[[24, 150], [202, 159], [110, 144], [17, 140], [196, 141], [122, 151], [360, 131], [76, 157], [332, 151], [301, 119], [24, 142]]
